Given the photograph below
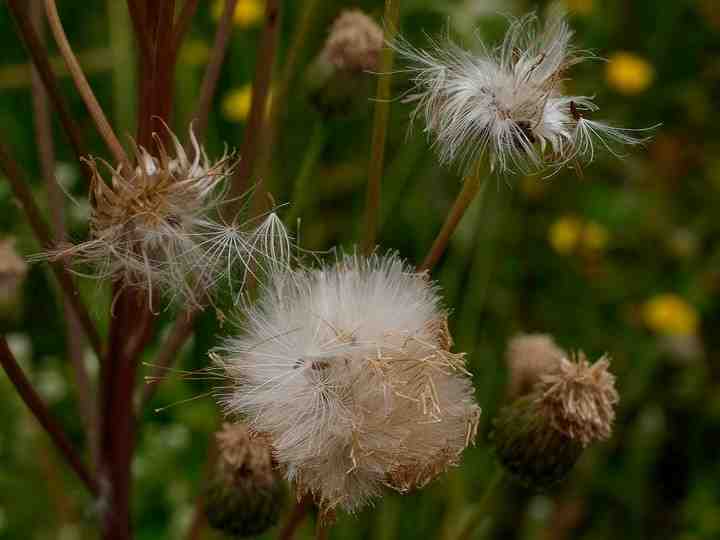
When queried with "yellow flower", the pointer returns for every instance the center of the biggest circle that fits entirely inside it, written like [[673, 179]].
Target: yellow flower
[[565, 233], [236, 104], [582, 7], [629, 73], [194, 53], [671, 315], [247, 12], [595, 237]]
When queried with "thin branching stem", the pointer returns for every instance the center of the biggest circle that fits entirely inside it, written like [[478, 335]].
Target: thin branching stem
[[56, 202], [260, 89], [379, 134], [81, 83], [21, 191], [31, 398], [480, 511], [212, 72], [198, 522], [470, 188], [40, 58], [182, 25], [302, 183], [139, 21], [295, 518]]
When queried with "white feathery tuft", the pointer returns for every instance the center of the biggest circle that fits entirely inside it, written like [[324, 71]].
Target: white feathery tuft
[[348, 370]]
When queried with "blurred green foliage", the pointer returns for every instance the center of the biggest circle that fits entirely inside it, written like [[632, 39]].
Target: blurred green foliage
[[656, 209]]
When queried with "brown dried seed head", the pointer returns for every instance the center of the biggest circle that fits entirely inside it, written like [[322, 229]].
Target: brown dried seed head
[[528, 357], [579, 398], [354, 42], [244, 453]]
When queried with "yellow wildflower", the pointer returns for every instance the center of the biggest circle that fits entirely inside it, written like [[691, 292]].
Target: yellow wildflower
[[565, 233], [194, 52], [670, 314], [236, 104], [247, 12], [581, 7], [629, 73]]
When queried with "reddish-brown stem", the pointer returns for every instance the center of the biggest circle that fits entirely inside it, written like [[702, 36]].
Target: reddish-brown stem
[[295, 518], [181, 330], [16, 179], [56, 202], [198, 520], [212, 73], [138, 18], [261, 85], [42, 414], [182, 25], [81, 83], [40, 57]]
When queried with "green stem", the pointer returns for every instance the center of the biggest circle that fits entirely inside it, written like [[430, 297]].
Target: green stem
[[382, 113], [481, 509], [470, 188], [301, 188]]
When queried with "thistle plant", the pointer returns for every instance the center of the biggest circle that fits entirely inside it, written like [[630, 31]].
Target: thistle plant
[[339, 377]]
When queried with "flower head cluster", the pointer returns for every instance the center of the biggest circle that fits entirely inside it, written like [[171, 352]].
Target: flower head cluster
[[348, 370], [158, 227], [508, 102], [539, 437], [354, 43]]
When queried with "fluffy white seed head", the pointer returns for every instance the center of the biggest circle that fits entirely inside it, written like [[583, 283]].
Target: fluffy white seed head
[[158, 227], [507, 102], [348, 370]]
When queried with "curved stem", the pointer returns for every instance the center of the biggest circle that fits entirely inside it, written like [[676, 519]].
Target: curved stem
[[301, 188], [382, 113], [82, 85], [470, 188], [482, 507], [41, 412]]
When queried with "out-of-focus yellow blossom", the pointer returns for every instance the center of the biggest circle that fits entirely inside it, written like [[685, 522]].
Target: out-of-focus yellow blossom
[[564, 234], [532, 187], [629, 73], [669, 314], [582, 7], [236, 104], [194, 52], [247, 12], [569, 233]]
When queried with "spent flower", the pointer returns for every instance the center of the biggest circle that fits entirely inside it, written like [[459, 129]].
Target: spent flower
[[348, 370], [508, 101]]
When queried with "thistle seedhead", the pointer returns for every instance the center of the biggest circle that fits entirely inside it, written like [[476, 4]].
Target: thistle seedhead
[[348, 370], [507, 102], [354, 43], [246, 495], [158, 226], [528, 357], [539, 437]]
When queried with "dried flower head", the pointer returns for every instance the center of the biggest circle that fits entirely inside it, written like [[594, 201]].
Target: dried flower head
[[12, 269], [508, 101], [539, 437], [354, 43], [246, 494], [158, 227], [579, 398], [528, 357], [348, 370]]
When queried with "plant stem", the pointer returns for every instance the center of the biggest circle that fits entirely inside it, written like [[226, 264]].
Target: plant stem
[[212, 72], [482, 507], [382, 113], [261, 85], [301, 188], [322, 528], [42, 232], [40, 59], [46, 154], [183, 25], [96, 112], [467, 194], [296, 517], [41, 412]]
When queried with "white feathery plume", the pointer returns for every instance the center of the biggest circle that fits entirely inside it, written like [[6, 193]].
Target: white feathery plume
[[507, 102], [348, 370], [159, 227]]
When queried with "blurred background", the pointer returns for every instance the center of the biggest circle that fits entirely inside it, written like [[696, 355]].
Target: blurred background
[[623, 258]]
